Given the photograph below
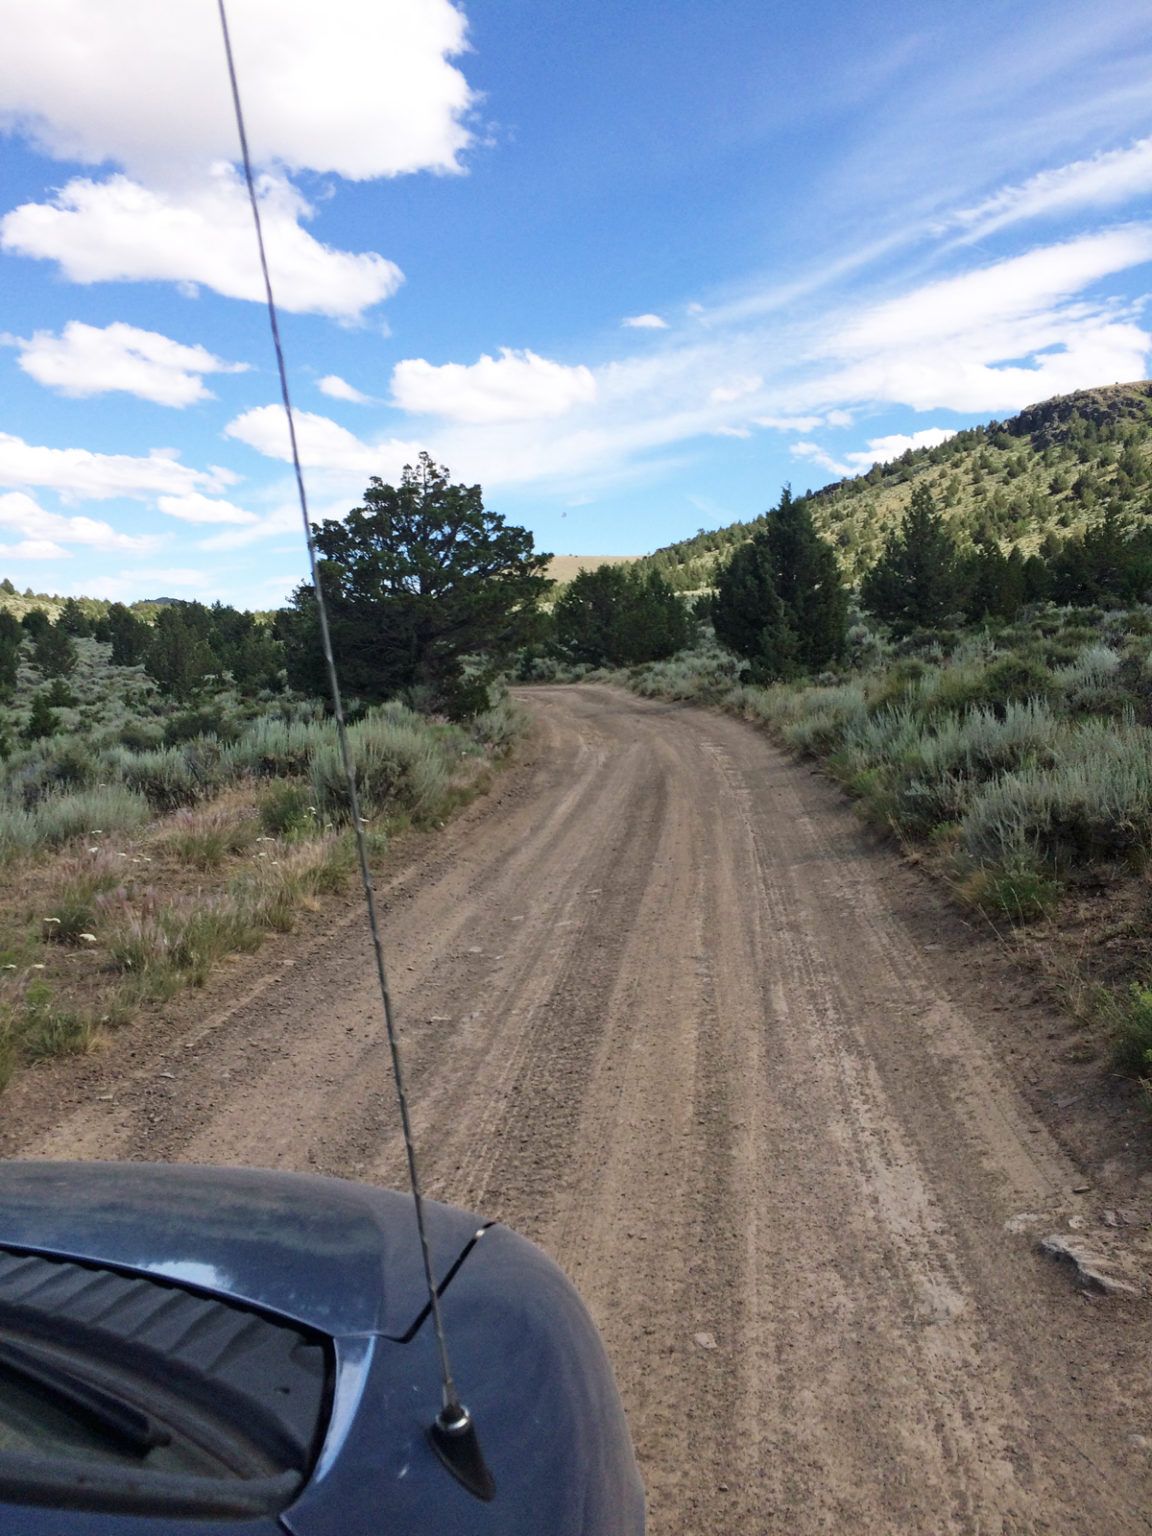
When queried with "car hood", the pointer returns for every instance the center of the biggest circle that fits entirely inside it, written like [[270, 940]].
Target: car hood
[[338, 1257]]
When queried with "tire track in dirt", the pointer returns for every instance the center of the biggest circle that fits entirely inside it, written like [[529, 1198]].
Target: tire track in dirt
[[667, 1009]]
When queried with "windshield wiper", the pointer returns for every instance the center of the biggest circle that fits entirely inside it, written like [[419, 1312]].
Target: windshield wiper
[[131, 1427]]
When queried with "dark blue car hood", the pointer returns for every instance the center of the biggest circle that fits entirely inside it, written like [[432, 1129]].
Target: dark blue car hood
[[340, 1258]]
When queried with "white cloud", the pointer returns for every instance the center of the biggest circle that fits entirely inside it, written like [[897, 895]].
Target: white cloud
[[649, 322], [1104, 180], [90, 360], [120, 230], [516, 386], [34, 549], [337, 388], [100, 476], [323, 443], [880, 450], [194, 508], [359, 88], [20, 514]]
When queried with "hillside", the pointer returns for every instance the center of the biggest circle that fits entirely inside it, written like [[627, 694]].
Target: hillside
[[1039, 477], [20, 603], [563, 568]]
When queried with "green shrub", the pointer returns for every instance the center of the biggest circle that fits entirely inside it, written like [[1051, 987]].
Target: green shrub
[[208, 720], [274, 747], [34, 1025], [286, 809], [1094, 804], [1021, 895], [47, 1029], [88, 813], [1132, 1020], [164, 776], [399, 764], [501, 725], [140, 735]]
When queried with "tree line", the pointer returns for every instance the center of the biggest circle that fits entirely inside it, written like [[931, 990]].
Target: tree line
[[432, 594]]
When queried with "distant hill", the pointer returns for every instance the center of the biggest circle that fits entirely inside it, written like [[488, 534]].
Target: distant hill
[[1037, 478], [21, 603], [563, 567]]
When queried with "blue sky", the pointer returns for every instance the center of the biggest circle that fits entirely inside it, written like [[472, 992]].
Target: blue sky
[[631, 267]]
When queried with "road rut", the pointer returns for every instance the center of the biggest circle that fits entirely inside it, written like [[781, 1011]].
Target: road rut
[[668, 1010]]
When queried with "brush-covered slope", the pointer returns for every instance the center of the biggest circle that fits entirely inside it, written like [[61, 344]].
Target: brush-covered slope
[[1030, 481]]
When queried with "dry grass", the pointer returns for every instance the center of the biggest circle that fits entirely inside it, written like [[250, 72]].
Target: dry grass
[[124, 916], [564, 568]]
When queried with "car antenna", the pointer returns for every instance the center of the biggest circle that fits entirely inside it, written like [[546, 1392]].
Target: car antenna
[[453, 1432]]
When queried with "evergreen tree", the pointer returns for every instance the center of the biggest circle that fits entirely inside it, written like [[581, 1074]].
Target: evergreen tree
[[808, 583], [8, 587], [41, 719], [54, 652], [616, 616], [993, 584], [245, 648], [128, 634], [178, 654], [916, 583], [1111, 563], [12, 632], [419, 577], [9, 655], [35, 622], [72, 620], [749, 617], [780, 602]]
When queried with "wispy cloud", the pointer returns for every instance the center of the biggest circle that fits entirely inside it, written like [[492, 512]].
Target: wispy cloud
[[1108, 180], [645, 323]]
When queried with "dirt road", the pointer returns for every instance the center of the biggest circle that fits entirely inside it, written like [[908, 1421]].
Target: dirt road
[[671, 1012]]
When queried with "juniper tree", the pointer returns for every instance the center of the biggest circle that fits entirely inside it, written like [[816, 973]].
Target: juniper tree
[[41, 721], [780, 602], [617, 616], [54, 652], [418, 578], [916, 583]]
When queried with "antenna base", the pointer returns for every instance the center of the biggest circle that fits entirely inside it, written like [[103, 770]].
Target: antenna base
[[453, 1437]]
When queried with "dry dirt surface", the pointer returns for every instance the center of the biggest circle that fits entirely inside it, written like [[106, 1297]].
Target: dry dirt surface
[[670, 1011]]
